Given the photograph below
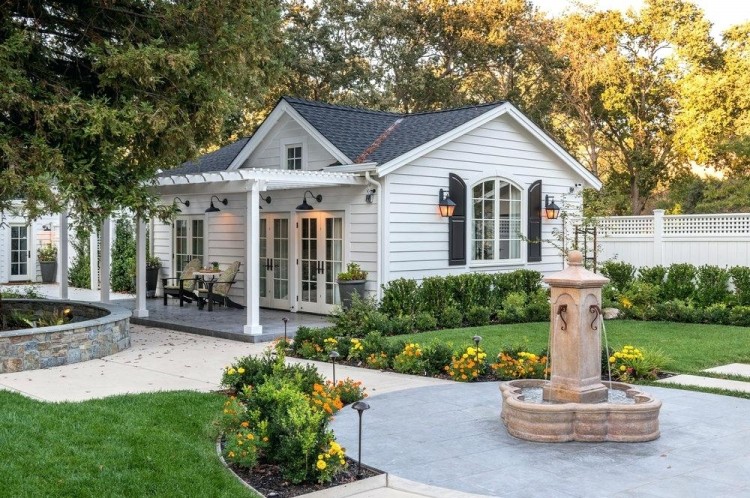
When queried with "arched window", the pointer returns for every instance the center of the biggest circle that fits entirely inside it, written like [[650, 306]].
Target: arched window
[[496, 221]]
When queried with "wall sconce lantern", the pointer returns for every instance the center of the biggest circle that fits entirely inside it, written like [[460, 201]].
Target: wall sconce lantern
[[214, 209], [305, 206], [47, 228], [551, 209], [185, 203], [446, 205], [267, 199], [369, 194]]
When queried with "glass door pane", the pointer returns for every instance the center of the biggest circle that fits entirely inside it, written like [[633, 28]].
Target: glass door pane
[[309, 260], [181, 253], [334, 257], [19, 247], [263, 257], [281, 259], [197, 240]]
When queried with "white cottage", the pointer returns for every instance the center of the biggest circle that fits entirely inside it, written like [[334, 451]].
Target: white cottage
[[372, 181]]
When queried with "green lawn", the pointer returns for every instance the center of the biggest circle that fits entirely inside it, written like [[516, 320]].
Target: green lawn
[[691, 347], [137, 445]]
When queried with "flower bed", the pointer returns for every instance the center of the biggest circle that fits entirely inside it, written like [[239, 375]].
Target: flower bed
[[277, 418]]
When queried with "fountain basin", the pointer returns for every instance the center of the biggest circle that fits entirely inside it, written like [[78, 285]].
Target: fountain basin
[[561, 422], [97, 330]]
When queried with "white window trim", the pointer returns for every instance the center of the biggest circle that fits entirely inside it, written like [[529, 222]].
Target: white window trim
[[480, 263], [285, 143]]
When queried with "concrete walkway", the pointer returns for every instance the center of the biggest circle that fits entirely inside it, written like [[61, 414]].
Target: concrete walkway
[[438, 438], [738, 369]]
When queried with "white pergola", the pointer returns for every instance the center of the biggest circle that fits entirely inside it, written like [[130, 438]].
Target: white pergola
[[248, 181]]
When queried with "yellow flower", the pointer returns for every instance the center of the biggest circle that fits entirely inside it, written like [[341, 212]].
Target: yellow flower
[[250, 436], [241, 370], [623, 368], [245, 424], [231, 371], [321, 465], [612, 359], [231, 454]]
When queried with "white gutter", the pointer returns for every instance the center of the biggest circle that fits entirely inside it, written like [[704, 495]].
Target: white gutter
[[380, 245]]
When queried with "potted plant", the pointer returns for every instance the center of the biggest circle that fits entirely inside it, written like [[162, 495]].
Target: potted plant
[[351, 281], [153, 265], [47, 256], [215, 265]]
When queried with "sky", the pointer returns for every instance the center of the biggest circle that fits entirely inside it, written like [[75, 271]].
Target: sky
[[722, 13]]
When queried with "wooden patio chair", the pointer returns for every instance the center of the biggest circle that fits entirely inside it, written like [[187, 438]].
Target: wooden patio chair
[[184, 285], [217, 290]]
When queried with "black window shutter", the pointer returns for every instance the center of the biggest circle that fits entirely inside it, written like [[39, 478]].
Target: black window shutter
[[534, 232], [457, 222]]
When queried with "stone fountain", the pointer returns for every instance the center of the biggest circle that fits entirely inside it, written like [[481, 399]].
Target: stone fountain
[[575, 405]]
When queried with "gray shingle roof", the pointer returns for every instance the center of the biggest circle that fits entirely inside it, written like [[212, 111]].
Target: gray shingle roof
[[218, 160], [362, 135]]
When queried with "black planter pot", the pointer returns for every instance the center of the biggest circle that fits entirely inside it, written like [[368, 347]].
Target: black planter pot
[[49, 271], [152, 277], [347, 288]]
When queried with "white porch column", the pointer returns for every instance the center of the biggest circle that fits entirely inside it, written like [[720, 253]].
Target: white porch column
[[140, 310], [105, 259], [64, 254], [658, 236], [252, 261], [93, 261]]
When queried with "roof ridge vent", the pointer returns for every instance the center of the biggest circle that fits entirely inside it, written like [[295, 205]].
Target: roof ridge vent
[[378, 141]]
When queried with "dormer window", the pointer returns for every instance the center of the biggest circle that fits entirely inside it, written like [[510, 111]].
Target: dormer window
[[294, 156]]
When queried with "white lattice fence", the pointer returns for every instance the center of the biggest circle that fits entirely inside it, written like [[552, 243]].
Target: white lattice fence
[[719, 239]]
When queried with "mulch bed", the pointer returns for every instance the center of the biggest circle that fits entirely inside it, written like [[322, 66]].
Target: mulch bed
[[267, 479]]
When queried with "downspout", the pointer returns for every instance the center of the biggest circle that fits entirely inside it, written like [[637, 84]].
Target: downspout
[[380, 245]]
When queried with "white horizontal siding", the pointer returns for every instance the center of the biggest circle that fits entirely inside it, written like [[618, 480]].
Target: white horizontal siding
[[418, 236], [268, 153]]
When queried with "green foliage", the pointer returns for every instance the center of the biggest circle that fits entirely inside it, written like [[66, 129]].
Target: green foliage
[[409, 360], [435, 295], [123, 257], [741, 281], [641, 298], [400, 297], [538, 307], [425, 321], [79, 273], [619, 273], [513, 308], [361, 318], [677, 310], [478, 316], [437, 355], [47, 253], [679, 283], [353, 272], [712, 285], [256, 370], [97, 98], [451, 318], [652, 275]]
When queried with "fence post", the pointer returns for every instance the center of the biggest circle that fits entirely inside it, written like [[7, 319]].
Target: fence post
[[658, 237]]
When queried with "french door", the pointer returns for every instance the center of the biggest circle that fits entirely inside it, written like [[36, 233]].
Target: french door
[[188, 242], [321, 239], [19, 253], [274, 261]]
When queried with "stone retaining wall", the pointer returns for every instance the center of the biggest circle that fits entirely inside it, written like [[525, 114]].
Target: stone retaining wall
[[97, 330]]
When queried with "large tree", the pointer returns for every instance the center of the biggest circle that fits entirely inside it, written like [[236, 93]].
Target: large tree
[[97, 96], [622, 88]]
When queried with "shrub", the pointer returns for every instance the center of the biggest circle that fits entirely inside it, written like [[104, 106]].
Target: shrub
[[610, 296], [741, 281], [349, 391], [513, 308], [244, 445], [373, 343], [472, 289], [79, 274], [436, 357], [712, 285], [356, 350], [679, 281], [717, 313], [451, 318], [677, 310], [526, 281], [630, 364], [652, 275], [740, 316], [538, 308], [478, 316], [619, 273], [467, 365], [123, 257], [409, 360], [435, 295], [400, 297], [256, 370], [425, 321], [399, 325], [361, 318], [520, 365], [379, 361], [639, 298]]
